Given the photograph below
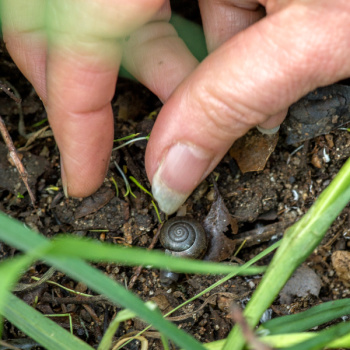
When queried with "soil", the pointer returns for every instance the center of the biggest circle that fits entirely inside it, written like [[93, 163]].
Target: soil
[[279, 194]]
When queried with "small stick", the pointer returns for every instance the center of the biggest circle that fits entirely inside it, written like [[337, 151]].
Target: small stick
[[262, 234], [14, 156], [76, 300], [238, 317], [93, 315], [8, 92], [17, 98], [139, 268]]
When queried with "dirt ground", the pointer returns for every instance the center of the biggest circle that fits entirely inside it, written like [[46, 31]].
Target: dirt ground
[[266, 201]]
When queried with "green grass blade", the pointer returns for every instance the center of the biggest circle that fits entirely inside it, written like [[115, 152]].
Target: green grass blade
[[102, 284], [282, 341], [22, 238], [323, 338], [10, 272], [140, 186], [40, 328], [72, 246], [121, 316], [308, 319], [298, 243]]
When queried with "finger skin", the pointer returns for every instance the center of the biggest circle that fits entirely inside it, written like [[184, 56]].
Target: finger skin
[[75, 74], [158, 58], [76, 82], [83, 63], [256, 74], [225, 18], [23, 25]]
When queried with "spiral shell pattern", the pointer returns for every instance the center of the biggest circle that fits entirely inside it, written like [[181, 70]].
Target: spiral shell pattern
[[184, 236]]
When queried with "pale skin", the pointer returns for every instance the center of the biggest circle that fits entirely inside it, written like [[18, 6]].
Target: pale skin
[[256, 69]]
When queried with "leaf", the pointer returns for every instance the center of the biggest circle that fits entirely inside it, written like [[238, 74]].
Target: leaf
[[253, 150], [215, 224]]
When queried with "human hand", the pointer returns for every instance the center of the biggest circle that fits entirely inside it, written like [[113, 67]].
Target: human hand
[[70, 50], [250, 79]]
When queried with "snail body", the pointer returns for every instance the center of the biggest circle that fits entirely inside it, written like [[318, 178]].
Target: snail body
[[185, 237]]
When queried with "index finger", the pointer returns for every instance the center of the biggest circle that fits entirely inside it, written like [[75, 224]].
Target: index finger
[[82, 66]]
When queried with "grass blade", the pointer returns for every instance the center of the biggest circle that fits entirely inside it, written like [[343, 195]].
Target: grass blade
[[96, 251], [22, 238], [308, 319], [10, 272], [282, 341], [323, 338], [121, 316], [40, 328], [298, 243]]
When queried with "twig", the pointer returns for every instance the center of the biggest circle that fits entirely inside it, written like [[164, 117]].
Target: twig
[[139, 268], [8, 346], [17, 98], [93, 315], [21, 287], [238, 317], [232, 296], [76, 300], [143, 340], [14, 156], [8, 92], [262, 234]]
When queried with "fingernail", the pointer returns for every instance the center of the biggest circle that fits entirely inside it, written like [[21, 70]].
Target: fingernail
[[268, 131], [64, 180], [182, 169]]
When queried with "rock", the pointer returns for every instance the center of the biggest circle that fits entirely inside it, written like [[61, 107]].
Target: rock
[[341, 264], [303, 282]]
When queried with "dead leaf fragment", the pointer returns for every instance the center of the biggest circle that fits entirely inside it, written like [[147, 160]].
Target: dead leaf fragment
[[341, 264], [215, 224], [253, 150], [95, 202], [303, 282]]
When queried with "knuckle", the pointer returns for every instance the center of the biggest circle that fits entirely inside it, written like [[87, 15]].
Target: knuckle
[[224, 116]]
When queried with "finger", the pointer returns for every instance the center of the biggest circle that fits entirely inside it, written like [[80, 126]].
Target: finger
[[272, 124], [225, 18], [24, 35], [83, 61], [256, 74], [156, 56]]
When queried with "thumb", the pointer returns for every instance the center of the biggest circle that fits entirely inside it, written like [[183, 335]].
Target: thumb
[[256, 74]]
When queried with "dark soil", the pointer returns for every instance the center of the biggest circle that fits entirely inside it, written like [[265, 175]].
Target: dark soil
[[281, 193]]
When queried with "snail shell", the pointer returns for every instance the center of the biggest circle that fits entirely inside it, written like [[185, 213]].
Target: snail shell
[[184, 236]]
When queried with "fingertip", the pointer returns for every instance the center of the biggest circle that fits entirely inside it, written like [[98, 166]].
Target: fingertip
[[272, 124], [84, 174]]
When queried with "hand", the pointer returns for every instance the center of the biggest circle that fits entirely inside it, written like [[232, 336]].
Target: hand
[[71, 50], [250, 79]]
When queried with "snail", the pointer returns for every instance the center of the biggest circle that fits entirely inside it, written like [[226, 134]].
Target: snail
[[185, 237]]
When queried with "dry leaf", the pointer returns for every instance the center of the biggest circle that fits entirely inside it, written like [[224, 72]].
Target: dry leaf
[[253, 150], [95, 202], [215, 224]]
